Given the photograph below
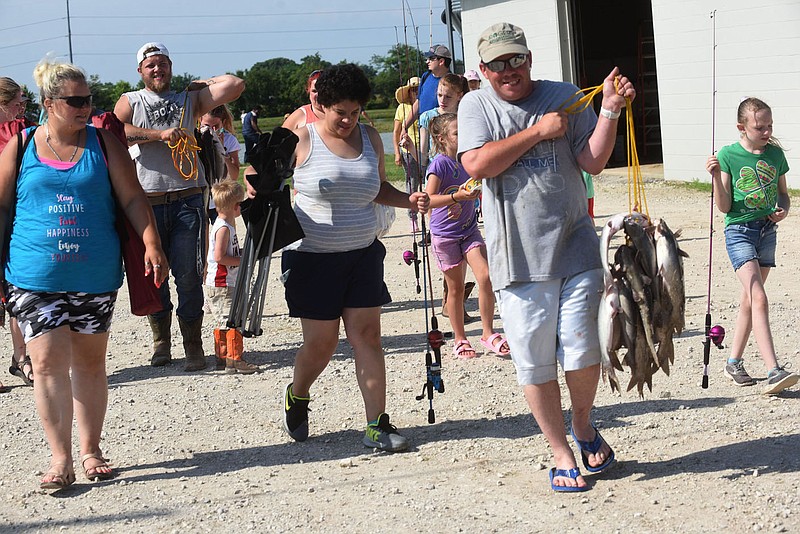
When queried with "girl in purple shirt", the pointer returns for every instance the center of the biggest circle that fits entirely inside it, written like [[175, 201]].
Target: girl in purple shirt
[[455, 237]]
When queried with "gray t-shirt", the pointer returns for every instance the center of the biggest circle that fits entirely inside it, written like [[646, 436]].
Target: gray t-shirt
[[154, 166], [535, 212]]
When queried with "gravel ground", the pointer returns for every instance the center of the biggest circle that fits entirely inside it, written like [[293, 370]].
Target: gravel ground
[[205, 452]]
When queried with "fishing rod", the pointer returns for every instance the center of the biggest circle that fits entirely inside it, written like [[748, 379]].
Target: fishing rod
[[716, 333], [420, 258]]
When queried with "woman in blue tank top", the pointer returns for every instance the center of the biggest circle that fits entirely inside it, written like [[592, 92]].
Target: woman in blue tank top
[[335, 273], [63, 266]]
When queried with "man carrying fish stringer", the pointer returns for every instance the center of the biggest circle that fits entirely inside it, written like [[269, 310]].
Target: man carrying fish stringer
[[530, 156]]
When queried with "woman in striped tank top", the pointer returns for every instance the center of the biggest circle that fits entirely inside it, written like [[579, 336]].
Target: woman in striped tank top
[[335, 273]]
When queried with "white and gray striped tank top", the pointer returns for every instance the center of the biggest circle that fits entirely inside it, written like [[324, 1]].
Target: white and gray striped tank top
[[334, 200]]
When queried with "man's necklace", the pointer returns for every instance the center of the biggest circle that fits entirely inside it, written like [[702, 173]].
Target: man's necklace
[[53, 150]]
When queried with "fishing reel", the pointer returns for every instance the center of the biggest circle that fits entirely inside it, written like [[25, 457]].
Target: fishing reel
[[717, 335], [435, 339], [410, 258]]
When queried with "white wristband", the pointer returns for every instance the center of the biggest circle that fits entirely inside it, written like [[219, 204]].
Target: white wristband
[[610, 115]]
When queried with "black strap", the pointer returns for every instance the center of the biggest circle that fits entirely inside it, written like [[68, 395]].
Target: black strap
[[12, 210], [21, 151], [102, 144]]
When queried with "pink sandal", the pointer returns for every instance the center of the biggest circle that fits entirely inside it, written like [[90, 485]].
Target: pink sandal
[[495, 344], [460, 349]]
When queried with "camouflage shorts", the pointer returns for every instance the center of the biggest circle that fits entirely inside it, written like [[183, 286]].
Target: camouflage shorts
[[39, 312]]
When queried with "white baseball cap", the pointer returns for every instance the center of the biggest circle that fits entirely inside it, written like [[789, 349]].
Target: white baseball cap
[[151, 49]]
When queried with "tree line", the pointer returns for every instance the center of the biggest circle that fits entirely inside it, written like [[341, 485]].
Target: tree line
[[279, 84]]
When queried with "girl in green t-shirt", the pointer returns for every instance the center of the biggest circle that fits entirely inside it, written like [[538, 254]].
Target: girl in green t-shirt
[[749, 179]]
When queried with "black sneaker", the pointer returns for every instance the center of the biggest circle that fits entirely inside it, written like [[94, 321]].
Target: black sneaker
[[295, 415], [735, 371], [779, 379], [383, 435]]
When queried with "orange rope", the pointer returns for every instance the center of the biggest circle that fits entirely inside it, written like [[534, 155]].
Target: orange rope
[[184, 150], [184, 155]]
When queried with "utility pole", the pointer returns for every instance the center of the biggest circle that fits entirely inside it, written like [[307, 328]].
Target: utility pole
[[69, 34], [448, 20]]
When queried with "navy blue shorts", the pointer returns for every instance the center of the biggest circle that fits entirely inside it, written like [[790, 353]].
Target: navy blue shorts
[[320, 286], [754, 240]]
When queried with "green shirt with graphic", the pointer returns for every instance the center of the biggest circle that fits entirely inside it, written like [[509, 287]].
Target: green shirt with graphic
[[754, 181]]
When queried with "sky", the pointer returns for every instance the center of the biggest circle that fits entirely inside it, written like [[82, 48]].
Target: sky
[[206, 38]]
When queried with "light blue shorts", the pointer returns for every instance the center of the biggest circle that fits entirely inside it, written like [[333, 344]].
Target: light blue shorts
[[754, 240], [550, 323]]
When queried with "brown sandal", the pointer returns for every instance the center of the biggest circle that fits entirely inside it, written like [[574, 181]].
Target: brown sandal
[[92, 473], [56, 481]]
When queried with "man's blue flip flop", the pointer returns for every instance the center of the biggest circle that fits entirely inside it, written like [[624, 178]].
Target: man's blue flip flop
[[566, 473], [593, 447]]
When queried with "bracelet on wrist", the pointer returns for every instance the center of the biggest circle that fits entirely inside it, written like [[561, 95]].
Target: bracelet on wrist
[[610, 115], [453, 196]]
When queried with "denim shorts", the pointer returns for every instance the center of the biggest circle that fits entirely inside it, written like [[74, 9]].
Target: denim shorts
[[754, 240]]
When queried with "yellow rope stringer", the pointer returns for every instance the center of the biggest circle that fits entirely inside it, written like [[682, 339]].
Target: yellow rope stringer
[[637, 200], [184, 150], [581, 103]]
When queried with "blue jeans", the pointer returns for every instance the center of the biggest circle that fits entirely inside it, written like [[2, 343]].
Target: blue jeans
[[182, 227], [250, 141]]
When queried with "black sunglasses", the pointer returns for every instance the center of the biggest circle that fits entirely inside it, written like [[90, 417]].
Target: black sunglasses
[[499, 65], [76, 101]]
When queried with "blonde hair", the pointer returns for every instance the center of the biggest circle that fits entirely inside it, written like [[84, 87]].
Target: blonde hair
[[227, 193], [9, 89], [439, 127], [50, 75], [755, 105], [224, 115]]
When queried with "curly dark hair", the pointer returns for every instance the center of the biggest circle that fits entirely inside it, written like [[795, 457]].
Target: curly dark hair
[[343, 82]]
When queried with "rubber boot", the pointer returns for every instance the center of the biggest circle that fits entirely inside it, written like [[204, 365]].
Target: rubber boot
[[220, 347], [193, 344], [235, 363], [161, 340]]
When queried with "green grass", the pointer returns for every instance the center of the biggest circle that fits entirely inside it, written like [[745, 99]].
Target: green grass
[[695, 185], [394, 174], [705, 187], [383, 119]]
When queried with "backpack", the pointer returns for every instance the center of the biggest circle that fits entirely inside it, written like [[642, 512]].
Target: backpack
[[108, 121], [144, 295]]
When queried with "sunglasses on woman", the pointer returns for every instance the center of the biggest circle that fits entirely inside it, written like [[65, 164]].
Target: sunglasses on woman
[[76, 101], [514, 62]]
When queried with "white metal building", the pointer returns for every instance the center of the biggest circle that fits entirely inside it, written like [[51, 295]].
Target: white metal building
[[667, 47]]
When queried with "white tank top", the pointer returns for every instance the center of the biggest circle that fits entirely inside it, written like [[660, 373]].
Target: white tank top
[[334, 201]]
